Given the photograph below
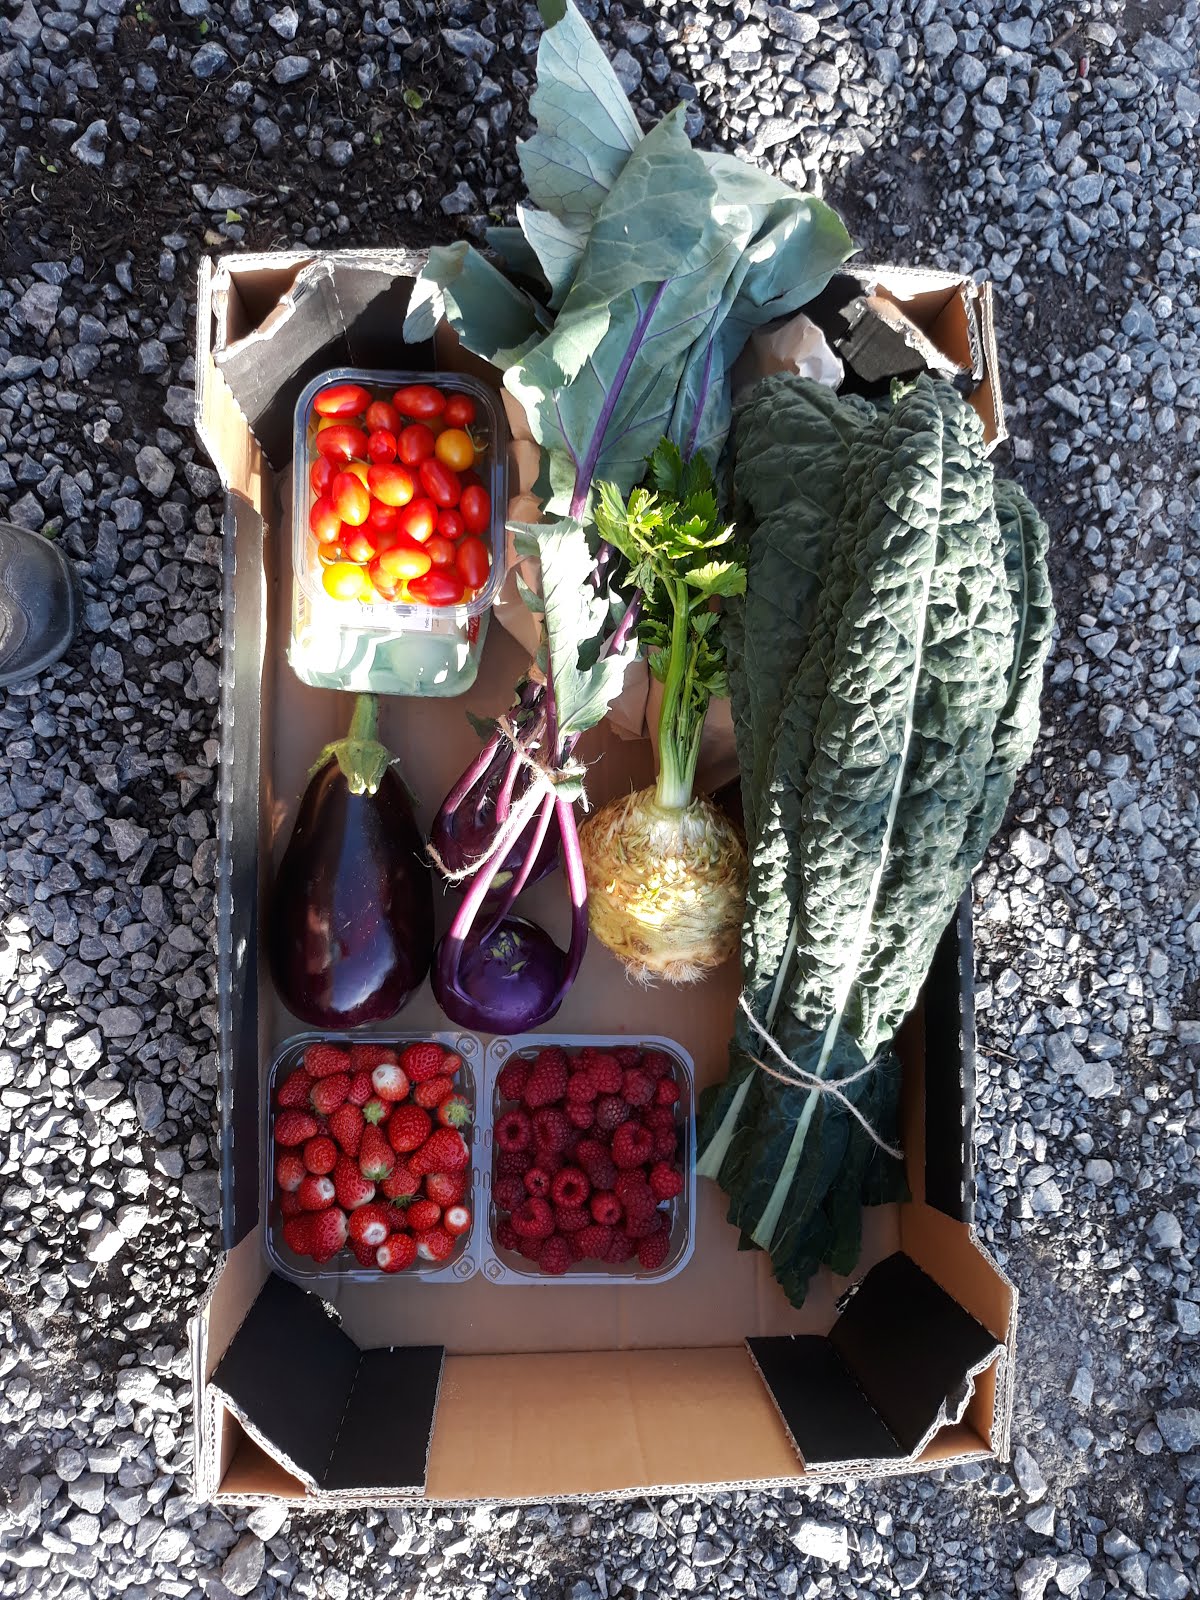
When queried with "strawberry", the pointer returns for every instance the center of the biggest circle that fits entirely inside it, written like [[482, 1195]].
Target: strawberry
[[451, 1064], [513, 1163], [632, 1145], [570, 1219], [537, 1182], [454, 1112], [445, 1150], [507, 1236], [513, 1130], [364, 1254], [326, 1233], [433, 1091], [423, 1215], [626, 1056], [435, 1245], [376, 1158], [297, 1234], [396, 1253], [657, 1064], [605, 1207], [423, 1061], [665, 1181], [555, 1256], [314, 1194], [329, 1093], [637, 1088], [361, 1088], [371, 1224], [320, 1155], [582, 1086], [293, 1091], [295, 1127], [580, 1114], [389, 1082], [653, 1250], [376, 1110], [508, 1193], [611, 1112], [456, 1220], [322, 1060], [593, 1241], [290, 1171], [352, 1189], [602, 1068], [289, 1204], [666, 1091], [512, 1079], [534, 1219], [570, 1187], [551, 1130], [346, 1125], [402, 1184], [446, 1188], [547, 1083], [621, 1249], [366, 1057], [408, 1128]]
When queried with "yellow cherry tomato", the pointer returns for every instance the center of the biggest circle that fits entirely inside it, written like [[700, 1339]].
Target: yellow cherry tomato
[[360, 470], [404, 562], [454, 449], [345, 581]]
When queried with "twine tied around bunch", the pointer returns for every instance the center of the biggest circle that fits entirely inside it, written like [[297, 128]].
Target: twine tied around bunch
[[800, 1078]]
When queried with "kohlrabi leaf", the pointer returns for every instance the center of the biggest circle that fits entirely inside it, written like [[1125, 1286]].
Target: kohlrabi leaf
[[492, 317]]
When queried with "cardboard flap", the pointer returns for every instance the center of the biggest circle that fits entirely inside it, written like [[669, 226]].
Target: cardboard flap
[[398, 1388], [949, 1023], [826, 1414]]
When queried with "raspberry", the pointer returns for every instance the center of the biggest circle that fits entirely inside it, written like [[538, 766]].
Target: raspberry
[[657, 1064], [320, 1155], [555, 1256], [423, 1215], [508, 1193], [547, 1083], [507, 1236], [666, 1092], [621, 1249], [627, 1056], [423, 1061], [293, 1092], [570, 1187], [537, 1182], [603, 1069], [597, 1163], [322, 1060], [635, 1194], [641, 1227], [290, 1170], [435, 1244], [514, 1131], [548, 1160], [637, 1088], [582, 1086], [580, 1114], [446, 1188], [346, 1125], [445, 1150], [658, 1117], [632, 1145], [571, 1219], [534, 1219], [361, 1088], [433, 1091], [370, 1225], [295, 1127], [611, 1112], [594, 1240], [402, 1184], [513, 1163], [665, 1181], [653, 1250], [396, 1253], [408, 1128], [605, 1208], [666, 1142], [512, 1079], [551, 1129], [531, 1249], [577, 1251], [329, 1093]]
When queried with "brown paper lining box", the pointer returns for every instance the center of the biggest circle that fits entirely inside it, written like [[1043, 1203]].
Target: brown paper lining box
[[706, 1381]]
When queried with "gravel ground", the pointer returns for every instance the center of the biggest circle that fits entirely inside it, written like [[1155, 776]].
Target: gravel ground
[[1050, 148]]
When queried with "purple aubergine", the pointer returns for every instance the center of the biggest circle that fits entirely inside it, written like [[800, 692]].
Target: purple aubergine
[[350, 925]]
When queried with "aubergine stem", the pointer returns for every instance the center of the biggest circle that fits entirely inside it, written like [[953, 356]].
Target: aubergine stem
[[521, 877], [361, 756]]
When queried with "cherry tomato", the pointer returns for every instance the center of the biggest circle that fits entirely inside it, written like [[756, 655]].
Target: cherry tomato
[[359, 469], [385, 584], [420, 400], [360, 546], [322, 474], [391, 484], [345, 581], [381, 446], [384, 538], [351, 497], [405, 562], [473, 562], [437, 588], [382, 414], [459, 412], [382, 518], [342, 442], [415, 444], [341, 400], [450, 524], [324, 521], [418, 520], [476, 508], [455, 450], [441, 550], [329, 554], [439, 483]]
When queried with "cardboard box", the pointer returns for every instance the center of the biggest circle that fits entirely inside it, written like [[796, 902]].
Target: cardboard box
[[706, 1381]]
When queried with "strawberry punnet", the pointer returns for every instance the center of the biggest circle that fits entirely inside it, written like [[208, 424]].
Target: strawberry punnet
[[364, 1254], [289, 1204], [297, 1233], [321, 1060], [408, 1127], [423, 1061], [376, 1158], [366, 1057], [402, 1184], [294, 1128], [361, 1089]]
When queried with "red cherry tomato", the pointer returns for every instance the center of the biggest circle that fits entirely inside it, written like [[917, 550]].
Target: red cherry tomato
[[321, 474], [392, 484], [473, 562], [351, 497], [441, 550], [382, 414], [360, 546], [415, 444], [450, 524], [382, 518], [386, 585], [420, 400], [439, 482], [439, 587], [475, 508], [418, 520], [459, 412], [342, 443], [405, 561], [381, 446], [324, 520], [341, 400], [385, 538]]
